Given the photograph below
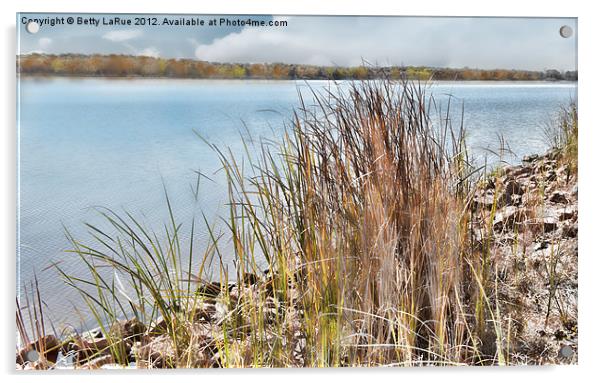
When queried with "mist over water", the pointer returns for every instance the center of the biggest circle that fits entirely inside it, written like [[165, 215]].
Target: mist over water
[[86, 143]]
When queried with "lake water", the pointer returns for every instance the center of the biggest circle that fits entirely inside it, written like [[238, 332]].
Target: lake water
[[114, 143]]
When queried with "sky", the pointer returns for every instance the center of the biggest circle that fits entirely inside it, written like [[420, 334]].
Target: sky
[[485, 43]]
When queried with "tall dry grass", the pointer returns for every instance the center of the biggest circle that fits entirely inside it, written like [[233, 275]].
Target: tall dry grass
[[561, 133], [362, 213]]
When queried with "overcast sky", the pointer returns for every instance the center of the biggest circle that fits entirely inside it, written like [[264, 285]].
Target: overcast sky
[[509, 43]]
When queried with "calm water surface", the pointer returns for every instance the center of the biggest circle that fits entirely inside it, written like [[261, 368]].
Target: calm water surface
[[114, 143]]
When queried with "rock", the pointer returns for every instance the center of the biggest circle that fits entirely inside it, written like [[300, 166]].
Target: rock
[[490, 184], [38, 365], [46, 348], [94, 338], [513, 187], [87, 347], [83, 355], [553, 154], [549, 224], [507, 170], [159, 353], [518, 171], [213, 289], [115, 366], [129, 330], [559, 197], [204, 313], [530, 158], [483, 202], [566, 213], [570, 231], [516, 200], [535, 227], [478, 236], [158, 327], [561, 171], [221, 311], [249, 279], [507, 217], [94, 334], [96, 363], [560, 334]]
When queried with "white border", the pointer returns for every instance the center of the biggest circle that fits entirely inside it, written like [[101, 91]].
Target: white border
[[589, 113]]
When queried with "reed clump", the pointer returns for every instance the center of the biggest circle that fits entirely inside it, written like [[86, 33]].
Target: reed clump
[[363, 213], [561, 134]]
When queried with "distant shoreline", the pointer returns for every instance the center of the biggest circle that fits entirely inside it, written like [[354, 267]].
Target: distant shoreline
[[124, 66], [106, 77]]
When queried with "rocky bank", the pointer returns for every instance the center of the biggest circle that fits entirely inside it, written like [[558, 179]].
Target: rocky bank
[[526, 220]]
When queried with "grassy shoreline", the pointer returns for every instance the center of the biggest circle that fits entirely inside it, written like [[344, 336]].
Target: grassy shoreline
[[383, 246], [83, 77], [143, 66]]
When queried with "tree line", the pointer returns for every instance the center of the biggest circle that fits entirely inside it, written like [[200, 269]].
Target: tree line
[[143, 66]]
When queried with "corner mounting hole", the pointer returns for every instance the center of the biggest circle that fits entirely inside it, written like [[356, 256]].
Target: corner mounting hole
[[32, 356], [566, 31], [32, 27], [566, 351]]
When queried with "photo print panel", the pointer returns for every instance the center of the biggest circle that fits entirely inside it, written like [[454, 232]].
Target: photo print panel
[[202, 191]]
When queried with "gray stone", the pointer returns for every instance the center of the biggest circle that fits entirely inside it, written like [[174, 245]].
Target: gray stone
[[566, 213], [97, 363], [530, 158], [483, 202], [129, 330], [549, 224], [506, 218], [559, 197], [570, 231]]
